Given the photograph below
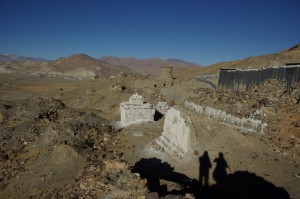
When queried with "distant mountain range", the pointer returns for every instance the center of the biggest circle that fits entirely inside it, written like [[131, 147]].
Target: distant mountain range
[[147, 66], [84, 66], [78, 65], [8, 57]]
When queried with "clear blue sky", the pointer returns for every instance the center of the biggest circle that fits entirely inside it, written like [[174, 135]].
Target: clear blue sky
[[201, 31]]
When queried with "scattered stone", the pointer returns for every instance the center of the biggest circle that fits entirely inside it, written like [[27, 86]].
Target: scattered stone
[[90, 92], [269, 103], [297, 175], [118, 87], [189, 196]]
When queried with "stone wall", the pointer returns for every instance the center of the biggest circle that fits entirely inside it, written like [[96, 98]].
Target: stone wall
[[247, 124], [206, 81], [243, 80]]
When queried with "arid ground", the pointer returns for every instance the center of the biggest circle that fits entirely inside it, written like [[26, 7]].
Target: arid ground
[[60, 139]]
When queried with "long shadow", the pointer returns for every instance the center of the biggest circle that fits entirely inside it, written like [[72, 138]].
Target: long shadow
[[220, 172], [205, 165], [154, 169], [246, 185], [239, 185]]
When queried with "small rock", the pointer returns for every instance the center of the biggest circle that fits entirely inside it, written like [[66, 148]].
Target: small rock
[[295, 101], [83, 186], [152, 195], [99, 194], [46, 120], [189, 196], [196, 153], [90, 92], [297, 175], [143, 182]]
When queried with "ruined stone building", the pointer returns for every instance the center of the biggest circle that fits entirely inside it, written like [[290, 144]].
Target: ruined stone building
[[165, 77], [166, 72]]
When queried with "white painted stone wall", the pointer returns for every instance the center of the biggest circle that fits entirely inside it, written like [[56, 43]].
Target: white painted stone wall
[[136, 110], [178, 136], [248, 124]]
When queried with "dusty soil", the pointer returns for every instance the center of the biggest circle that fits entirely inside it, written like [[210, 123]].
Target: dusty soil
[[59, 140]]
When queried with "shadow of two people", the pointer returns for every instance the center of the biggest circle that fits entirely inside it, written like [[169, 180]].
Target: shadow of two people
[[238, 185], [219, 173]]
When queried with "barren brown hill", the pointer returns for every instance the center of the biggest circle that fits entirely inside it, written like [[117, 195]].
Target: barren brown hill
[[81, 65], [147, 66], [20, 67], [290, 55], [78, 65]]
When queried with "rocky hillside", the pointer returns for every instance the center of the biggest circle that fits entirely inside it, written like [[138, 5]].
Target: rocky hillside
[[76, 147], [21, 67], [290, 55], [269, 102], [147, 66]]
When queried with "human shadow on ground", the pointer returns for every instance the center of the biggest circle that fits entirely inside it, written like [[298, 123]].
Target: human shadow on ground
[[239, 185], [220, 173], [204, 166], [154, 170]]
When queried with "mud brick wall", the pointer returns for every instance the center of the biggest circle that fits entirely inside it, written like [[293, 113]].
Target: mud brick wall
[[243, 80]]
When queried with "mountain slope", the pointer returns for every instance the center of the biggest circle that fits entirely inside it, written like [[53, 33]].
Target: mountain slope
[[146, 66], [290, 55], [81, 65], [8, 57]]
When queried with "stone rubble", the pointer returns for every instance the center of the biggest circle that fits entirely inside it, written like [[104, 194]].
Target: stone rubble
[[269, 102], [68, 142]]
